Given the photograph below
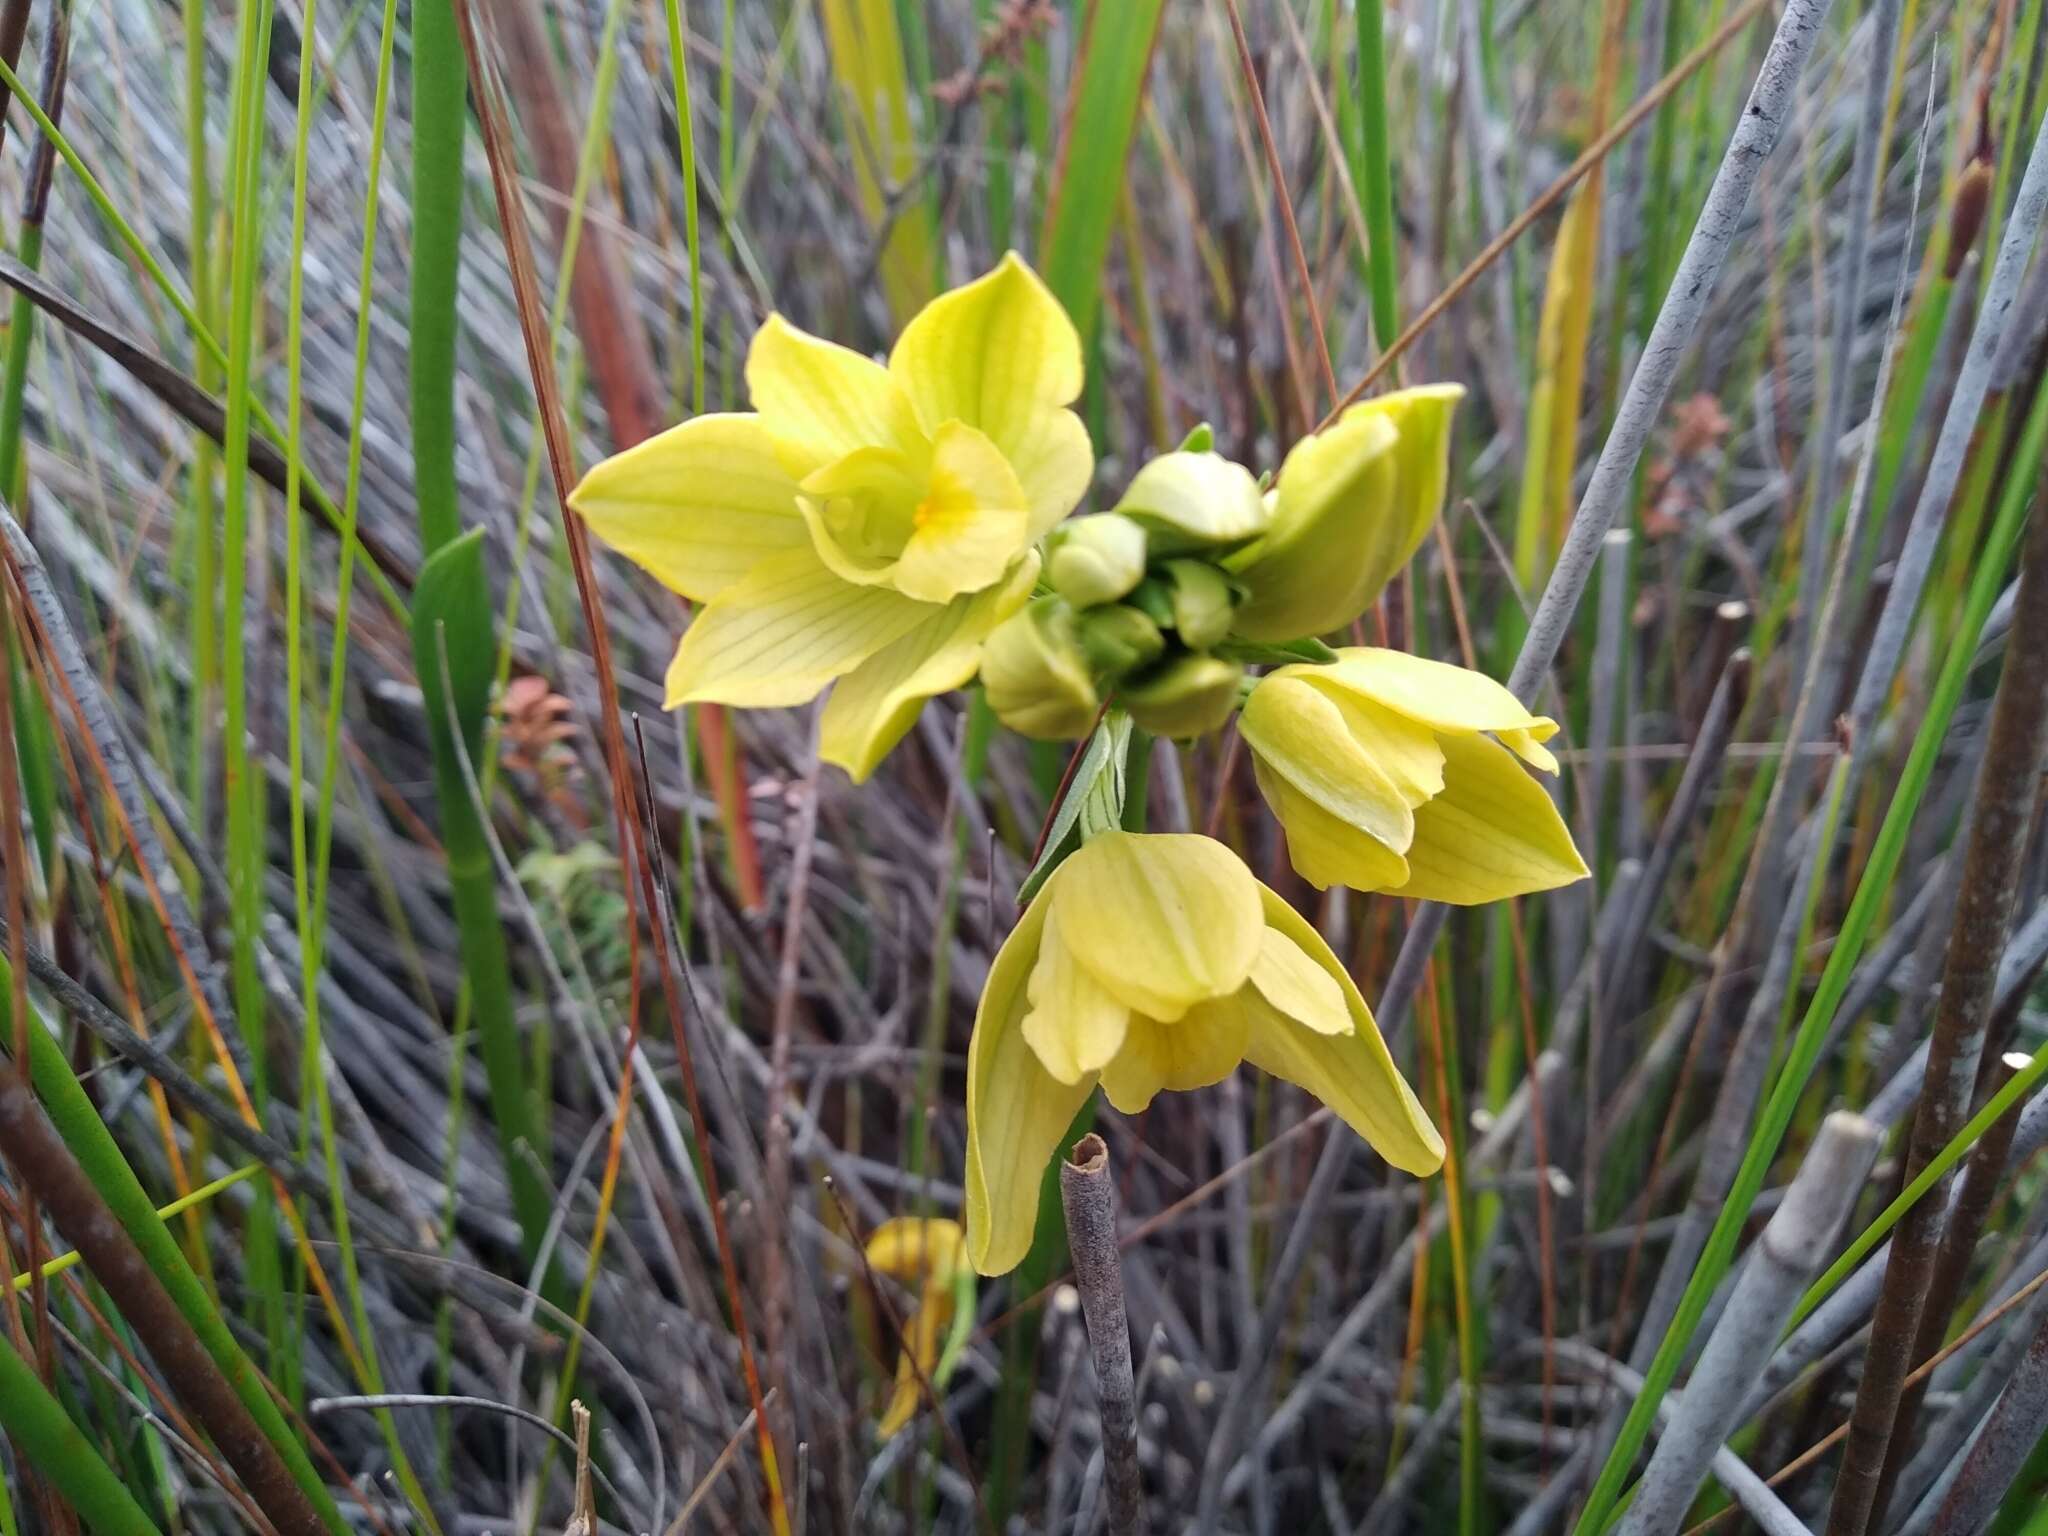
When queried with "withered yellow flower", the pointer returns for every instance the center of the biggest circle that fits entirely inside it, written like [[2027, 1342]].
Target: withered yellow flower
[[1393, 773], [864, 527], [1149, 962], [928, 1253]]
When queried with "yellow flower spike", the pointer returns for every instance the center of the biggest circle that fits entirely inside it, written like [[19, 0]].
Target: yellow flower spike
[[1351, 506], [1384, 771], [929, 1253], [1150, 963], [867, 526]]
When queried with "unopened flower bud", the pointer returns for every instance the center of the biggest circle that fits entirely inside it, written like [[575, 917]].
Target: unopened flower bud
[[1035, 675], [1116, 638], [1202, 603], [1189, 501], [1351, 505], [1188, 696], [1096, 559]]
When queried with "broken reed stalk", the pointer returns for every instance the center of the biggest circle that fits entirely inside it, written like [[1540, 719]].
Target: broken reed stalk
[[45, 1165], [1088, 1193], [2006, 788], [1793, 1244]]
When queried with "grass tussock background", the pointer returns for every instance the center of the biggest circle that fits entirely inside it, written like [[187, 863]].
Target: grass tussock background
[[493, 1041]]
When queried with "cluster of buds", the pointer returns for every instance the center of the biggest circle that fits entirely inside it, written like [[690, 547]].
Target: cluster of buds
[[1158, 602]]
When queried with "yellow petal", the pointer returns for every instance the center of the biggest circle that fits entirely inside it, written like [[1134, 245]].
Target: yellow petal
[[874, 706], [1074, 1025], [1444, 697], [1329, 547], [1299, 733], [1352, 1073], [1001, 355], [1492, 833], [820, 401], [1290, 979], [779, 636], [1016, 1110], [860, 510], [971, 523], [1194, 500], [1162, 921], [697, 506], [1422, 417], [1324, 849], [925, 1329], [1201, 1047], [914, 1247]]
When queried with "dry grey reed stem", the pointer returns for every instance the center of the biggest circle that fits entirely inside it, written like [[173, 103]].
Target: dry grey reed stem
[[2001, 1450], [1678, 321], [1820, 506], [2006, 789], [1792, 1247], [1088, 1193], [1763, 896]]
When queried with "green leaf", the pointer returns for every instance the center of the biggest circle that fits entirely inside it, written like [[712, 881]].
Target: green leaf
[[1094, 799], [1115, 53], [45, 1436]]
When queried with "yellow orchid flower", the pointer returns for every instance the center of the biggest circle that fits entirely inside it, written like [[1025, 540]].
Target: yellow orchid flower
[[1392, 773], [929, 1253], [1149, 962], [864, 525], [1350, 507]]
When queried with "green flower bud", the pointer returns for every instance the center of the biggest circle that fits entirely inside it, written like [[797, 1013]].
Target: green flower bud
[[1202, 602], [1350, 507], [1096, 559], [1189, 501], [1187, 696], [1035, 676], [1153, 597], [1117, 638]]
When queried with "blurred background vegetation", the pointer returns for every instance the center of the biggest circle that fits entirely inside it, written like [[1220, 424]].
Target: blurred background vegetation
[[491, 1040]]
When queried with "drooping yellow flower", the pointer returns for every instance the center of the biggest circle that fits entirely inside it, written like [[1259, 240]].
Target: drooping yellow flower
[[864, 526], [1351, 506], [928, 1253], [1392, 773], [1149, 962]]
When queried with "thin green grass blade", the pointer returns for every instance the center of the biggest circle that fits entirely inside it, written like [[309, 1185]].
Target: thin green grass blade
[[1115, 54], [1375, 174], [44, 1433]]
